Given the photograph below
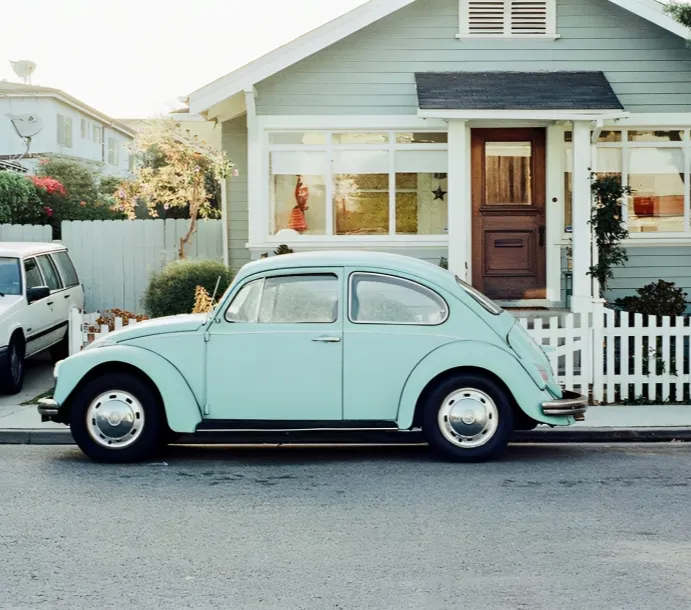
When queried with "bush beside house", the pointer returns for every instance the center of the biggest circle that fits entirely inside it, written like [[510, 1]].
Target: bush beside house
[[173, 290]]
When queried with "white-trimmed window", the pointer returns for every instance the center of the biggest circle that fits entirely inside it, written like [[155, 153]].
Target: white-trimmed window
[[96, 134], [655, 163], [113, 151], [64, 131], [507, 18], [84, 129], [358, 183]]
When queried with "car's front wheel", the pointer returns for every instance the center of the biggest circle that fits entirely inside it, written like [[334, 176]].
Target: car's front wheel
[[117, 418], [468, 418]]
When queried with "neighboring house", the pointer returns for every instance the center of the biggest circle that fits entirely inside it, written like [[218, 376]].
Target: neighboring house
[[71, 130], [467, 129], [195, 126]]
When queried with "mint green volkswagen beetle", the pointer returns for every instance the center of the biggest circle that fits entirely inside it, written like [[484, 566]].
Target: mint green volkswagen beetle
[[330, 342]]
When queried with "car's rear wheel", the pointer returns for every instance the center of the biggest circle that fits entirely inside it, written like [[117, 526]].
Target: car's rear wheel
[[12, 375], [117, 418], [468, 418]]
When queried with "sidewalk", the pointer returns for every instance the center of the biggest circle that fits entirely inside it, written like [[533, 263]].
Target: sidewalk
[[22, 425]]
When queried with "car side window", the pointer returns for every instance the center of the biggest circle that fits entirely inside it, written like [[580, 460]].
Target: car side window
[[49, 272], [66, 268], [245, 304], [385, 299], [33, 275], [299, 299]]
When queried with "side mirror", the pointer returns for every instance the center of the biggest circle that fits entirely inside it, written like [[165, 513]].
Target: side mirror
[[37, 293]]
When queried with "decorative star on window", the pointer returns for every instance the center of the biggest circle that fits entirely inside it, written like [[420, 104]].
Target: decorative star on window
[[439, 193]]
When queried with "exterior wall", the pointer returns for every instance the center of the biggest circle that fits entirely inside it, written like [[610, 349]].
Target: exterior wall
[[46, 141], [372, 71], [234, 140]]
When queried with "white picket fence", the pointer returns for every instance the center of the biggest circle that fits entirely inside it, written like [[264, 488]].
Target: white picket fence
[[14, 233], [611, 356]]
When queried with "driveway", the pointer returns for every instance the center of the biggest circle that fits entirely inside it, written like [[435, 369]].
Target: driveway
[[39, 380]]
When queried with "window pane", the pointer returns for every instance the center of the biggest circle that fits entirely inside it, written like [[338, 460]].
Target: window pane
[[508, 173], [66, 269], [657, 177], [10, 279], [361, 192], [421, 192], [300, 299], [609, 136], [656, 136], [360, 138], [312, 138], [422, 138], [49, 272], [33, 275], [245, 305], [298, 192], [391, 300]]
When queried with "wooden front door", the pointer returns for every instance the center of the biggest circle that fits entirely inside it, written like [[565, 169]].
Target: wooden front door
[[508, 191]]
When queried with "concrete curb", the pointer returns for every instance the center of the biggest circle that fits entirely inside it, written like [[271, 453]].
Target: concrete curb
[[576, 434]]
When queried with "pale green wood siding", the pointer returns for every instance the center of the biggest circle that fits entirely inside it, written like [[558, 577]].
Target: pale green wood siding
[[371, 72], [234, 138]]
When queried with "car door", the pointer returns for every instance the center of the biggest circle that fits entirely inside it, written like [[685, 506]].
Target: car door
[[39, 314], [74, 293], [276, 353], [57, 304], [393, 322]]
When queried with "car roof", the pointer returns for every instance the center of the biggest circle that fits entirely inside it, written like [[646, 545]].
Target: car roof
[[27, 248], [350, 258]]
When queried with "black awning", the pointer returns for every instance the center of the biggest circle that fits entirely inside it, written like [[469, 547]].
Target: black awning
[[515, 91]]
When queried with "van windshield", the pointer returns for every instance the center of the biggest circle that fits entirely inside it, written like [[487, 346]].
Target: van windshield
[[10, 276], [486, 302]]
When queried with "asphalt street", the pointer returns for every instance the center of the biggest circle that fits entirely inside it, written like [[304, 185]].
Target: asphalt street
[[549, 527]]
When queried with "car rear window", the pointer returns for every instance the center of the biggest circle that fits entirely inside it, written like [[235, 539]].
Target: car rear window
[[66, 269]]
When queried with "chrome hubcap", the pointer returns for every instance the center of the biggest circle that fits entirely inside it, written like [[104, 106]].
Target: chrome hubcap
[[468, 418], [115, 419]]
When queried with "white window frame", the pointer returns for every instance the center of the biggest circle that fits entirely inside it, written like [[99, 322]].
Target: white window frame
[[97, 133], [113, 151], [625, 146], [464, 23], [64, 133], [84, 129], [391, 147]]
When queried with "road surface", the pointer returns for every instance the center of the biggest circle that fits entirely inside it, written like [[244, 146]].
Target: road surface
[[549, 527]]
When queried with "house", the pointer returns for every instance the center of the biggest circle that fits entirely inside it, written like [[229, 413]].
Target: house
[[467, 129], [70, 129]]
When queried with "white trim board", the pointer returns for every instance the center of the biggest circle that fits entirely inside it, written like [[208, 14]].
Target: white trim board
[[345, 25]]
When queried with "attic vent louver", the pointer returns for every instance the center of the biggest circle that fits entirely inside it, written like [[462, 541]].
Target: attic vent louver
[[487, 18]]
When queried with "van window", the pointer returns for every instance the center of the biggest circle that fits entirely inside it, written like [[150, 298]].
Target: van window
[[66, 269]]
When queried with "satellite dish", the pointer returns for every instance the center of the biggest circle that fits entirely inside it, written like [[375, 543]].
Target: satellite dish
[[24, 69], [27, 125]]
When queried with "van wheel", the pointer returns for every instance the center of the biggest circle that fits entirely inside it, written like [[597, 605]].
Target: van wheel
[[468, 418], [117, 418], [12, 373]]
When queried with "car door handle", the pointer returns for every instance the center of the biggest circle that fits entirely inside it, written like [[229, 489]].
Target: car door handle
[[327, 340], [67, 296], [50, 303]]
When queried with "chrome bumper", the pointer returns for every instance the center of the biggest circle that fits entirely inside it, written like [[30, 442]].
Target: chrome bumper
[[47, 409], [571, 404]]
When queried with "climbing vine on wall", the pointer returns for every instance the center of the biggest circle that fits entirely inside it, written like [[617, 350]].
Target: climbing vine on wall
[[608, 226]]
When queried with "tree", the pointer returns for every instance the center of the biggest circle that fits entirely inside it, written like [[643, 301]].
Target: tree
[[173, 172], [680, 12], [19, 202]]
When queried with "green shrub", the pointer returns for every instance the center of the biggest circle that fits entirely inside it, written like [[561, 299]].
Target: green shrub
[[19, 203], [172, 291], [656, 299]]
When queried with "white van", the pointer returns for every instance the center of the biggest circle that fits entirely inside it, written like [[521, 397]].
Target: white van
[[38, 287]]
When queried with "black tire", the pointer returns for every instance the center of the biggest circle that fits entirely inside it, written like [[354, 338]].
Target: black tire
[[151, 436], [12, 373], [60, 350], [483, 393]]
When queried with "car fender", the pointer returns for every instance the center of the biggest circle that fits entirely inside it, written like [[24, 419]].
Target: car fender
[[477, 354], [182, 409]]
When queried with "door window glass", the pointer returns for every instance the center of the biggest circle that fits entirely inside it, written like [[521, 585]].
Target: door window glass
[[33, 275], [299, 299], [508, 173], [66, 269], [245, 305], [383, 299], [49, 272]]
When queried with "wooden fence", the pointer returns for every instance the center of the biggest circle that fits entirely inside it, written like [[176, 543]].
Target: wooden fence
[[41, 233], [116, 258]]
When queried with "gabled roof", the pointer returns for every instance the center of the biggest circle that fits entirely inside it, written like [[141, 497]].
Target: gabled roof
[[23, 90], [244, 78]]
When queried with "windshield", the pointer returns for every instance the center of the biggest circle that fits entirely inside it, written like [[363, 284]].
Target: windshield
[[487, 303], [10, 276]]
